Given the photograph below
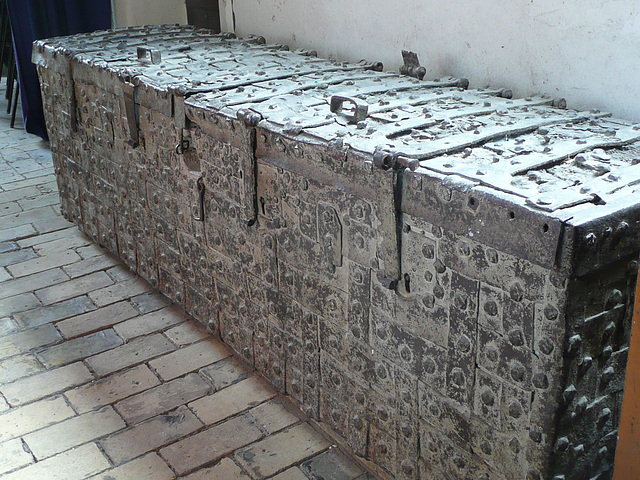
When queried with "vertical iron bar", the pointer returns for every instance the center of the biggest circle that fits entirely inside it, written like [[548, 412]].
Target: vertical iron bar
[[10, 75], [14, 108]]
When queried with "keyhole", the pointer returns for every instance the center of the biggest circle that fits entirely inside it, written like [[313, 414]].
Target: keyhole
[[262, 203], [407, 283]]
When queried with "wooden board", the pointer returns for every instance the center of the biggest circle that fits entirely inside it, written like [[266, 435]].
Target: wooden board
[[627, 464]]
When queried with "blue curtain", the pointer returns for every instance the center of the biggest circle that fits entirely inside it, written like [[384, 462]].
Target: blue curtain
[[35, 19]]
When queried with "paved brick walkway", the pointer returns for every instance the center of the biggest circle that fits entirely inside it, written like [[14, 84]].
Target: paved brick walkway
[[101, 378]]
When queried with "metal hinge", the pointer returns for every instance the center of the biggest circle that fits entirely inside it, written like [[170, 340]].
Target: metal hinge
[[375, 66], [249, 164], [131, 110], [73, 101], [391, 219], [385, 160], [180, 119], [412, 66]]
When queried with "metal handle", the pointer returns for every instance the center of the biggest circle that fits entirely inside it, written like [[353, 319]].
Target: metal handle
[[153, 54], [200, 184], [360, 112]]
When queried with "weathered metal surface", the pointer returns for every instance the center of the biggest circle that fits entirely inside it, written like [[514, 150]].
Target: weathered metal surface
[[442, 276]]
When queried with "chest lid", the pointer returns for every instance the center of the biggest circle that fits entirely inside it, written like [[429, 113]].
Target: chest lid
[[575, 167]]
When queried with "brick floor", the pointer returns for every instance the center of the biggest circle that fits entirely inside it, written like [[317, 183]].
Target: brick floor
[[102, 378]]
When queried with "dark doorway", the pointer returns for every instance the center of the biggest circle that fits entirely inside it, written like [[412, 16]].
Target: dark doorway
[[204, 13]]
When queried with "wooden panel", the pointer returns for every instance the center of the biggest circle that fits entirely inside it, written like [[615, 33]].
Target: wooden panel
[[627, 464]]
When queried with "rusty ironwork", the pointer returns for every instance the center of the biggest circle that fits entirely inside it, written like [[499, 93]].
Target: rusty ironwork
[[444, 277], [411, 66]]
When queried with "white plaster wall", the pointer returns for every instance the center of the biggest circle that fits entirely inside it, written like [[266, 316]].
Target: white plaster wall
[[148, 12], [587, 51]]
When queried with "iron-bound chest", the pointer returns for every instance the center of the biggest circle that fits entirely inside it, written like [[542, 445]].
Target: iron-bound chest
[[442, 276]]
